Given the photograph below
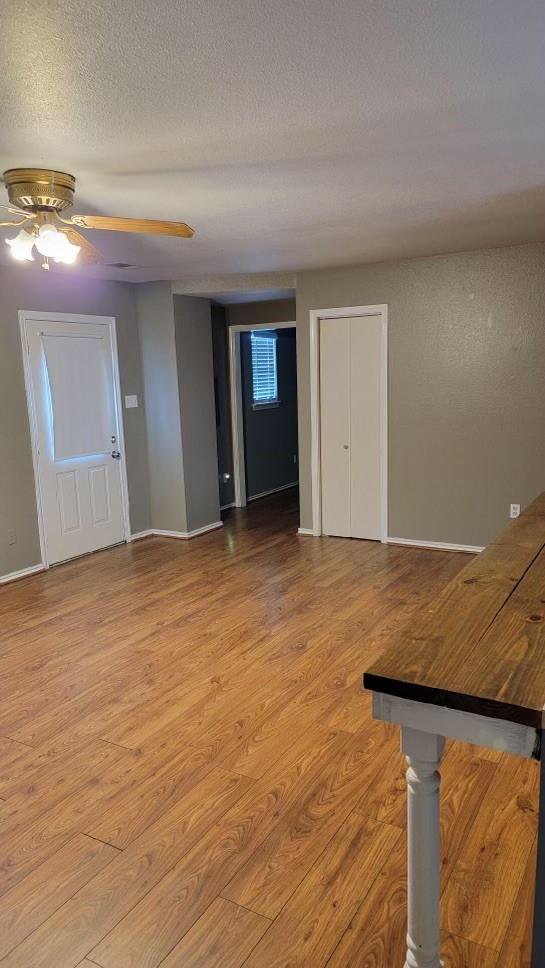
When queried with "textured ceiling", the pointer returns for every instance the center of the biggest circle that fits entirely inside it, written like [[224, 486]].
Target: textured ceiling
[[291, 134]]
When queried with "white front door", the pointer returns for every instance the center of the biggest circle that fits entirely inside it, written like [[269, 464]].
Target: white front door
[[351, 367], [77, 435]]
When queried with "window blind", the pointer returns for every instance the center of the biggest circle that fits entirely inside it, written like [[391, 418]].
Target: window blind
[[264, 375]]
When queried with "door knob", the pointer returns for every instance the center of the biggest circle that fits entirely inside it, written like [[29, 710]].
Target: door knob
[[345, 446], [115, 454]]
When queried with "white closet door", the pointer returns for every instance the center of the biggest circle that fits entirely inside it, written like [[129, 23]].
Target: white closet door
[[335, 425], [350, 421], [365, 425]]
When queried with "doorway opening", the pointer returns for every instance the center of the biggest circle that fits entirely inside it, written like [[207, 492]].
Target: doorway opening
[[258, 451]]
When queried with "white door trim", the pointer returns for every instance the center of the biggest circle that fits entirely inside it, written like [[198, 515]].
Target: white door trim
[[25, 316], [315, 316], [237, 424]]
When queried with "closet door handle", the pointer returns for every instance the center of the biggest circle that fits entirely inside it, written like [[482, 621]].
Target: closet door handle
[[345, 447]]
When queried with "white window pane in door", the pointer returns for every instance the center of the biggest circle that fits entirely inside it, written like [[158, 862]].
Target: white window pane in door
[[81, 404]]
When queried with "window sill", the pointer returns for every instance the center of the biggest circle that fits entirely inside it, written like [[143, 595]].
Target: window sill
[[266, 406]]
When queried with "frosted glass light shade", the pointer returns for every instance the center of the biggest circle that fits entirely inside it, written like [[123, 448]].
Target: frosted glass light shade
[[54, 244], [49, 242], [69, 252], [21, 246]]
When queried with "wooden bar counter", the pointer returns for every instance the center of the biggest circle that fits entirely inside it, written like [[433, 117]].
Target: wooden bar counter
[[472, 667]]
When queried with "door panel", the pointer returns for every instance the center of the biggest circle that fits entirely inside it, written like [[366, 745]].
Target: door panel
[[100, 498], [73, 392], [350, 426], [335, 425], [67, 491], [365, 463]]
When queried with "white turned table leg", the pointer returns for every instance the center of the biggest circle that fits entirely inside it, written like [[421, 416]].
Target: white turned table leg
[[423, 752]]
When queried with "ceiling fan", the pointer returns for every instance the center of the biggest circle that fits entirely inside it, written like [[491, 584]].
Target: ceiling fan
[[38, 196]]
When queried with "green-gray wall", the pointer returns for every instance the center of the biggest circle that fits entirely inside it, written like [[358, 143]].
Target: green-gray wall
[[466, 385], [155, 310], [193, 329], [27, 287], [267, 311], [176, 341]]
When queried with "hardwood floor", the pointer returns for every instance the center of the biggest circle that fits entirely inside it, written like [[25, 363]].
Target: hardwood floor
[[190, 775]]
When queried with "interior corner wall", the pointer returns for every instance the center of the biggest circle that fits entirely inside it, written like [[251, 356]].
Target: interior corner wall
[[193, 336], [27, 287], [155, 311], [466, 385], [220, 352]]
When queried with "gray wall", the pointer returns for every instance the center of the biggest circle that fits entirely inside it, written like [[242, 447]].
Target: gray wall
[[28, 287], [466, 385], [270, 434], [166, 472], [223, 404], [193, 330]]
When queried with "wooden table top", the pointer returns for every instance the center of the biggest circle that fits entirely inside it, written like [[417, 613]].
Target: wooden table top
[[480, 645]]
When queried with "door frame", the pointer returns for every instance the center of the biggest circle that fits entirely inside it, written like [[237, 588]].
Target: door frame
[[315, 316], [235, 392], [29, 315]]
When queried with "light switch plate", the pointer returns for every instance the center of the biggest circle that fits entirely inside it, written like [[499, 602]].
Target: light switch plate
[[131, 401]]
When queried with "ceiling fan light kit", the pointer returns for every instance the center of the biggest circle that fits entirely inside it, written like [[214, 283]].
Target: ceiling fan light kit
[[38, 196], [56, 245], [21, 246]]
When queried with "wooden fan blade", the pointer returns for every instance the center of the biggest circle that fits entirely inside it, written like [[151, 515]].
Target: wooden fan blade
[[89, 253], [147, 226]]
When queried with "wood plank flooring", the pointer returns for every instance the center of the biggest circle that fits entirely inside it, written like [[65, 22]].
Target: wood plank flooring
[[190, 776]]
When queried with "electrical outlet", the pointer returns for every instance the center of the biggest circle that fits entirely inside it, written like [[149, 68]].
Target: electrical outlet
[[12, 536], [514, 510]]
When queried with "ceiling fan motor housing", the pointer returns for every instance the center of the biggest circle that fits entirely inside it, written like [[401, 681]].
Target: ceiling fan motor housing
[[40, 188]]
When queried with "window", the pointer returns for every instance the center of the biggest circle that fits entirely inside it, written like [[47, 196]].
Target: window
[[264, 376]]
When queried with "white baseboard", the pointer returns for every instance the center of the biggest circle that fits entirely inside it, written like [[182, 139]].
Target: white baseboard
[[436, 545], [305, 531], [15, 575], [207, 527], [188, 534], [275, 490], [226, 507], [185, 535], [34, 569]]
